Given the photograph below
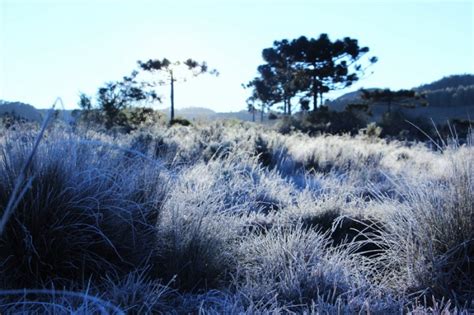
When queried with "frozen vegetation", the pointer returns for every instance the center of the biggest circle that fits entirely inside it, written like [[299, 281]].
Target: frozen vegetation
[[231, 218]]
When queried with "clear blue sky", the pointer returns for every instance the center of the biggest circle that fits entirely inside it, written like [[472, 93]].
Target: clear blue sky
[[56, 48]]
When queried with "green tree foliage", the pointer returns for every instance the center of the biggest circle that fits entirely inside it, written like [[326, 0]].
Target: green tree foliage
[[172, 72]]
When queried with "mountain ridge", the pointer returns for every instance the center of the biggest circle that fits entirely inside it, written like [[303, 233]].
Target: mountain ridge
[[451, 96]]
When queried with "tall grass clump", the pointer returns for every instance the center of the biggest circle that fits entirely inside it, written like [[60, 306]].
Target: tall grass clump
[[430, 237], [196, 233], [89, 212], [195, 249], [295, 269]]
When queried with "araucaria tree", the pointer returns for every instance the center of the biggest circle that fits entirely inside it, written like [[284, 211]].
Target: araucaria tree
[[171, 72], [312, 67], [329, 65], [400, 98], [278, 82]]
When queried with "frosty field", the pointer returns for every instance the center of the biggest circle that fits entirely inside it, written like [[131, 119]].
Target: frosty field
[[231, 218]]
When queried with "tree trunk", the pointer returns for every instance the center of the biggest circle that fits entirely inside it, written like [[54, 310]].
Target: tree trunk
[[172, 97], [253, 114], [261, 113], [315, 91], [284, 106], [320, 98], [288, 102], [315, 100]]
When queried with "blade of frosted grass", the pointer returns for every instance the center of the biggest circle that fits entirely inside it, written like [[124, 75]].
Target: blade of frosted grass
[[19, 191], [428, 136], [106, 307]]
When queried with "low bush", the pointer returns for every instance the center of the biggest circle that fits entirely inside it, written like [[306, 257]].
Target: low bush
[[180, 121]]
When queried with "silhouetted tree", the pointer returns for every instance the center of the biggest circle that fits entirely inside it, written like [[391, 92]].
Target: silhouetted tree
[[251, 108], [266, 94], [85, 102], [328, 65], [311, 67], [304, 104], [114, 97], [280, 73], [401, 98], [171, 73]]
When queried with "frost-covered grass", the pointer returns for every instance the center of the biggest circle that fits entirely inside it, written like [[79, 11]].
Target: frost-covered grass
[[234, 218]]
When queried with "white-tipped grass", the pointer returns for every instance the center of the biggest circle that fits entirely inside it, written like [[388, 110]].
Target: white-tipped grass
[[228, 218], [136, 293], [295, 269], [87, 212], [430, 236], [52, 301], [198, 229]]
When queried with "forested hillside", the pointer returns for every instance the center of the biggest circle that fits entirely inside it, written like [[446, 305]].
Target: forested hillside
[[452, 91]]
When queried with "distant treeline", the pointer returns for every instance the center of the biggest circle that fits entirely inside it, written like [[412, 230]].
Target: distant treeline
[[452, 81], [456, 90]]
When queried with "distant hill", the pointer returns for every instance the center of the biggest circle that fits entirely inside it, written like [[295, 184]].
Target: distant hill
[[452, 91], [449, 97], [64, 114], [191, 113], [202, 114], [30, 113], [452, 81], [22, 110]]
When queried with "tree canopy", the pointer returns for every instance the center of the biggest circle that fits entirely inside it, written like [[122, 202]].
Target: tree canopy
[[173, 72], [115, 96], [308, 68]]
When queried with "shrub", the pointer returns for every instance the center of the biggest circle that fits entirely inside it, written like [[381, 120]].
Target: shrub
[[372, 130], [325, 121], [272, 116], [180, 121], [399, 126]]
